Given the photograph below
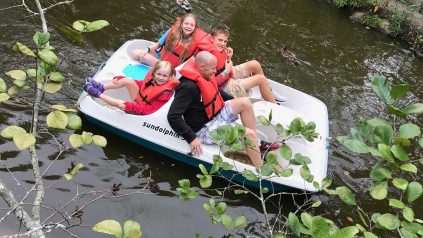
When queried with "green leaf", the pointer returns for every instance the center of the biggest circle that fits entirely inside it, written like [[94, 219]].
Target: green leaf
[[306, 219], [231, 136], [208, 208], [206, 181], [80, 25], [379, 173], [396, 203], [264, 190], [96, 25], [316, 204], [369, 235], [287, 172], [74, 122], [398, 91], [379, 190], [57, 119], [4, 97], [300, 159], [409, 168], [271, 157], [75, 140], [421, 142], [2, 86], [41, 38], [221, 208], [386, 153], [355, 145], [416, 108], [294, 224], [286, 152], [305, 174], [184, 183], [68, 176], [266, 169], [110, 227], [388, 221], [240, 222], [72, 35], [400, 183], [99, 140], [408, 214], [319, 227], [87, 137], [249, 175], [203, 169], [132, 229], [409, 131], [240, 191], [24, 49], [382, 88], [56, 77], [326, 182], [24, 140], [414, 191], [19, 83], [76, 169], [346, 232], [383, 131], [12, 90], [52, 87], [397, 112], [62, 108], [237, 147], [48, 57], [17, 74], [346, 195], [227, 166], [31, 73], [11, 131], [399, 153], [297, 125], [263, 120], [227, 221]]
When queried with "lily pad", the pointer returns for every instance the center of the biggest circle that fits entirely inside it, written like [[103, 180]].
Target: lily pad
[[76, 140], [57, 119], [24, 140]]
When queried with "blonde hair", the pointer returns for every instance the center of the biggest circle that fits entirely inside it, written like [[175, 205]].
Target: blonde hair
[[164, 64], [176, 37]]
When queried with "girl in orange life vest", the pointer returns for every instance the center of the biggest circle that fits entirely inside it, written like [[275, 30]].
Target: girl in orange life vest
[[237, 80], [178, 44], [147, 95]]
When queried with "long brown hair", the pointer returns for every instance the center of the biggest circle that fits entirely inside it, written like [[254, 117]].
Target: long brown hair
[[176, 37]]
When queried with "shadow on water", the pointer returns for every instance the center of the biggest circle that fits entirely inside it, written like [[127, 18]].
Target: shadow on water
[[338, 58]]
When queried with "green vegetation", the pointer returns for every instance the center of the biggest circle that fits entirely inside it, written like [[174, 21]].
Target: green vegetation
[[371, 20], [352, 3], [396, 22]]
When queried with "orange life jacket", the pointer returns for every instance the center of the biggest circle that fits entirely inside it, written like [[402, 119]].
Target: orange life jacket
[[150, 91], [174, 55], [209, 90]]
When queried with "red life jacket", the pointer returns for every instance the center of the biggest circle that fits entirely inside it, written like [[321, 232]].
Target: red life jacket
[[209, 90], [173, 55], [150, 91]]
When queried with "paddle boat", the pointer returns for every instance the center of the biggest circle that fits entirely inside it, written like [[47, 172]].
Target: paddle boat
[[154, 132]]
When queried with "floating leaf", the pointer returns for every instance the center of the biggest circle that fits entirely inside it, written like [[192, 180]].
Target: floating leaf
[[240, 222], [56, 77], [398, 91], [110, 227], [400, 183], [24, 140], [41, 38], [414, 191], [76, 140], [346, 195], [96, 25], [131, 229], [52, 87], [4, 97], [99, 140], [17, 74], [346, 232], [416, 108], [409, 131], [57, 119], [87, 137], [48, 57], [408, 214], [396, 203], [11, 131], [399, 153], [379, 191], [382, 88], [80, 25], [409, 168], [388, 221], [24, 49]]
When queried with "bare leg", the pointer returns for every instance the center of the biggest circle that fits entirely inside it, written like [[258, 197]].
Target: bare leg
[[254, 67], [243, 107], [113, 101], [261, 81], [149, 59], [127, 83]]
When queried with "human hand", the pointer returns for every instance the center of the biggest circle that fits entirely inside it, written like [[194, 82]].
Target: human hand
[[228, 65], [139, 54], [229, 53], [196, 147]]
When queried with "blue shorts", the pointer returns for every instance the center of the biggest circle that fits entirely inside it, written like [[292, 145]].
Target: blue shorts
[[225, 116]]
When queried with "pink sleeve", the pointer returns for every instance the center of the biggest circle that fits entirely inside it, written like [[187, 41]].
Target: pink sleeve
[[135, 108]]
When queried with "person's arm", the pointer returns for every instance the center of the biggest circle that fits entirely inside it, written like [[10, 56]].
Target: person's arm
[[180, 104], [162, 39], [135, 108]]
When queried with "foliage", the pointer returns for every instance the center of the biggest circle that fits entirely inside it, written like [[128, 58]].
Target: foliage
[[371, 20], [351, 3], [396, 23], [131, 229]]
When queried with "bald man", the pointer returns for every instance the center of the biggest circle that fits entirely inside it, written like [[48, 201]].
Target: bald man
[[200, 107]]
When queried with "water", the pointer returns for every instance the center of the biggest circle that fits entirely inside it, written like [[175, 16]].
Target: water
[[338, 58]]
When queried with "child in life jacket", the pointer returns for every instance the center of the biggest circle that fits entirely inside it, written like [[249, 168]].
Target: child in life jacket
[[237, 80], [147, 95], [178, 44]]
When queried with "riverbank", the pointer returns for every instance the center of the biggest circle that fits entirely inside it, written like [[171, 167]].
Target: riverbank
[[402, 19]]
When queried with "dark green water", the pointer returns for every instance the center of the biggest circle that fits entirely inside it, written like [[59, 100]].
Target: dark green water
[[338, 59]]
